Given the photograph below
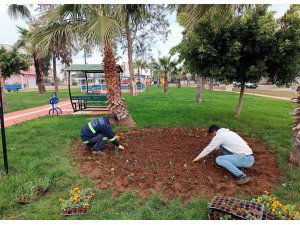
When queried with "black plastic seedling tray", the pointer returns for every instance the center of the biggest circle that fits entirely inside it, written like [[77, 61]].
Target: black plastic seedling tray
[[237, 208]]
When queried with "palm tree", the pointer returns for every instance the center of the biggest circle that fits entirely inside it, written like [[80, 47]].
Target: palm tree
[[140, 65], [177, 72], [24, 42], [19, 11], [164, 67], [95, 25]]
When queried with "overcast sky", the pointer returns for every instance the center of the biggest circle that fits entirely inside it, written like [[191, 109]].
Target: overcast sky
[[9, 35]]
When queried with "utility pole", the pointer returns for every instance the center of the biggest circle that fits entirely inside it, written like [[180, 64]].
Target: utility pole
[[3, 130]]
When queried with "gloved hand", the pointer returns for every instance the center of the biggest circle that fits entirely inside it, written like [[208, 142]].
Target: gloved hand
[[196, 159], [121, 147]]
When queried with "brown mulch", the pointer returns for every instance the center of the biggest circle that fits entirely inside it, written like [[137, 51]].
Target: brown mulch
[[160, 159]]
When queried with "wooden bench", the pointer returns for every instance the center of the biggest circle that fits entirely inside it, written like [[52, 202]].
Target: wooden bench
[[81, 102]]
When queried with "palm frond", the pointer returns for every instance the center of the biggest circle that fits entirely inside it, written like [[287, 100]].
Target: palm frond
[[18, 11]]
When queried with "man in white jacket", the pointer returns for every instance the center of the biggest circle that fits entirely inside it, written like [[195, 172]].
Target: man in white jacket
[[236, 152]]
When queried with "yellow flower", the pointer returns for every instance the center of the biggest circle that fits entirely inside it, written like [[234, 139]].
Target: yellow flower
[[76, 189], [86, 205], [61, 200], [266, 192], [273, 210], [259, 199]]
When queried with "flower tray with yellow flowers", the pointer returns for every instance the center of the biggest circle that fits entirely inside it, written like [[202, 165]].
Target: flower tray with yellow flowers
[[78, 203], [225, 208], [274, 209]]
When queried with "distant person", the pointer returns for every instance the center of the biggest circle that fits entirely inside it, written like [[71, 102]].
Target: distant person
[[96, 132], [236, 152], [155, 82]]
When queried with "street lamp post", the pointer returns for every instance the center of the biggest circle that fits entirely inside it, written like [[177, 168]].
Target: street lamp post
[[3, 130]]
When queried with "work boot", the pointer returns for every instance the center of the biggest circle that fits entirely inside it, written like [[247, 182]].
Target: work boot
[[243, 179]]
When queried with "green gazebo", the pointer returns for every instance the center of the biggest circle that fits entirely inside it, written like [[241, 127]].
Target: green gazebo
[[92, 102]]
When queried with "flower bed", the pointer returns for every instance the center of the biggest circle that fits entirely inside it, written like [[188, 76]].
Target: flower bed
[[78, 203], [275, 210]]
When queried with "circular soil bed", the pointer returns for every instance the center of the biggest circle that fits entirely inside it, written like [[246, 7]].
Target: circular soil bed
[[160, 159]]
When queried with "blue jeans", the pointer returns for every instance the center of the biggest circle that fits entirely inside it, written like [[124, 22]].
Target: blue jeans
[[231, 162]]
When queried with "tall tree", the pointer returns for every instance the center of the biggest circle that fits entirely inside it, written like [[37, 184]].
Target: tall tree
[[22, 11], [142, 24], [285, 65], [248, 40], [24, 42], [95, 25]]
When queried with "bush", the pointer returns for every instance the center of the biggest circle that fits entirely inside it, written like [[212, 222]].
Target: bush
[[74, 83]]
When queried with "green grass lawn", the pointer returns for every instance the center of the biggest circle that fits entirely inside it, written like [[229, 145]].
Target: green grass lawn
[[28, 99], [40, 149]]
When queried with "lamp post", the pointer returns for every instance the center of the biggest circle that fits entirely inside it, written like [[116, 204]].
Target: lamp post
[[3, 130]]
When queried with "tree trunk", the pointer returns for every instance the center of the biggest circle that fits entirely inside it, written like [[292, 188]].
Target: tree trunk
[[166, 85], [199, 89], [239, 107], [55, 74], [117, 103], [158, 81], [179, 82], [211, 86], [130, 62], [203, 83], [2, 83], [295, 154], [39, 74]]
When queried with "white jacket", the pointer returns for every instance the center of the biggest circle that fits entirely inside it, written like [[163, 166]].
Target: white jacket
[[229, 140]]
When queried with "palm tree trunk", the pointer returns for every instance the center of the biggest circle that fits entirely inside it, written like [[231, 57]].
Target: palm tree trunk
[[130, 62], [199, 89], [55, 74], [239, 107], [117, 103], [211, 86], [166, 85], [39, 74]]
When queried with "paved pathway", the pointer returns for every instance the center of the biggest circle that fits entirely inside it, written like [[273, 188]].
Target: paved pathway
[[28, 114], [259, 95]]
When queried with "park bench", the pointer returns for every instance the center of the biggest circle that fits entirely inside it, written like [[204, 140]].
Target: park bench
[[81, 102], [12, 87]]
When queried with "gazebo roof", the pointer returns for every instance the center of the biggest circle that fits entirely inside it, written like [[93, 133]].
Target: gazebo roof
[[89, 68]]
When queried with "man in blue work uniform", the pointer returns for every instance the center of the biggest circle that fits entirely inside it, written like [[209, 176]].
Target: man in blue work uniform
[[97, 131]]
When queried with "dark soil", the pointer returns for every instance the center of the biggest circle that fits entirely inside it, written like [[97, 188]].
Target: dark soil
[[160, 159]]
